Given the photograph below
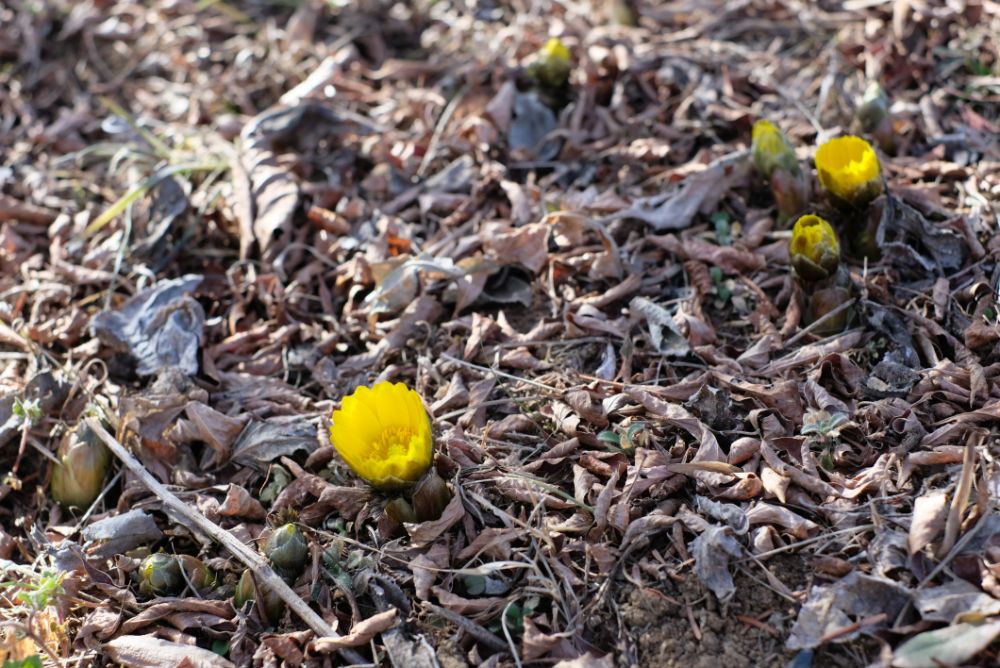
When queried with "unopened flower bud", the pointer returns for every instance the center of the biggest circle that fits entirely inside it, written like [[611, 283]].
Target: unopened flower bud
[[160, 575], [430, 497], [201, 577], [814, 250], [270, 606], [771, 150], [83, 466], [872, 118], [287, 550], [553, 64], [400, 510], [824, 301], [792, 192]]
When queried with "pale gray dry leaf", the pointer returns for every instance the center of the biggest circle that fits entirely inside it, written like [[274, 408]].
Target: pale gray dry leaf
[[533, 121], [587, 660], [657, 319], [839, 605], [263, 441], [121, 533], [958, 597], [930, 511], [160, 327], [400, 286], [409, 653], [712, 551], [731, 515], [150, 652], [950, 646], [699, 192]]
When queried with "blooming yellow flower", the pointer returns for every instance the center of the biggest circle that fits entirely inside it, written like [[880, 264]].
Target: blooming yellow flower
[[771, 150], [384, 434], [554, 48], [848, 168], [814, 249]]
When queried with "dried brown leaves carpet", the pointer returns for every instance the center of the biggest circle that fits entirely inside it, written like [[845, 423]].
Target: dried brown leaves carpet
[[303, 197]]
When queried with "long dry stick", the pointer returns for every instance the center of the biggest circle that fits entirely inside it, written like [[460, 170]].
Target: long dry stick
[[255, 562]]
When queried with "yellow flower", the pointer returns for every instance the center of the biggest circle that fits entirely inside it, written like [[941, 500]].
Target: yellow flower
[[553, 64], [384, 435], [848, 168], [554, 48], [814, 249], [771, 150]]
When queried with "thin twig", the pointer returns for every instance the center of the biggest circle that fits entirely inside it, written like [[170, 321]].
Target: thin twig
[[255, 562]]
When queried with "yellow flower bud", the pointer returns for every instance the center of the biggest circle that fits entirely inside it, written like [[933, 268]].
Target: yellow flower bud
[[553, 63], [814, 250], [83, 465], [849, 170], [384, 434], [771, 150]]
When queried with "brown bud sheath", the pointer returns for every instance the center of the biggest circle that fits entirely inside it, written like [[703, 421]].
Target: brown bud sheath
[[430, 497]]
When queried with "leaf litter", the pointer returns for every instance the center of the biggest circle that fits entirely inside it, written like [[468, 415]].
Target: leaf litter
[[216, 220]]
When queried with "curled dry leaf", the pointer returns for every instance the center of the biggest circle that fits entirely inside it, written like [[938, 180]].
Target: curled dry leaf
[[361, 633], [160, 327]]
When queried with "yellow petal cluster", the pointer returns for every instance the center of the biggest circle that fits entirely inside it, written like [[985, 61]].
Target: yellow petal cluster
[[771, 150], [553, 64], [814, 250], [383, 433], [555, 49], [849, 170]]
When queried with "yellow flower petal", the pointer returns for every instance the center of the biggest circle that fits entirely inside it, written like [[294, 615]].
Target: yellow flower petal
[[848, 169], [814, 249], [771, 150], [384, 434]]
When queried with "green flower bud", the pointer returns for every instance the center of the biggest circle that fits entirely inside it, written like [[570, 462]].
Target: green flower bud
[[270, 606], [872, 118], [287, 550], [824, 301], [160, 575], [792, 192], [430, 497], [401, 511], [201, 577], [83, 466]]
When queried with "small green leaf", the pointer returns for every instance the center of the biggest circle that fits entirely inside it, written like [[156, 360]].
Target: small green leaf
[[33, 661], [220, 646], [609, 437]]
